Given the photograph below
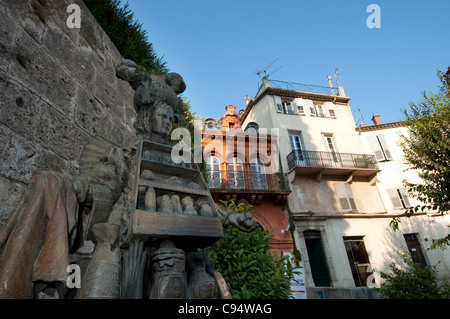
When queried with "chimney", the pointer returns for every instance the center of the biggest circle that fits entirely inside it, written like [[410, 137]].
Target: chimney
[[247, 99], [376, 119]]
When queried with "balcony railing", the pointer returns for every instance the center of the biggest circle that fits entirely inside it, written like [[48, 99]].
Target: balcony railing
[[246, 182], [331, 159]]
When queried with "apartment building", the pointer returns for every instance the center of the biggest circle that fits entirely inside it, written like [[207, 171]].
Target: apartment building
[[339, 206]]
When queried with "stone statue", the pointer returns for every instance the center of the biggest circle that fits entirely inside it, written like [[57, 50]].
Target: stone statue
[[40, 234], [243, 221], [148, 217]]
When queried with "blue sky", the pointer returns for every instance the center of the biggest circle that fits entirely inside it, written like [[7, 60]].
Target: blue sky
[[217, 46]]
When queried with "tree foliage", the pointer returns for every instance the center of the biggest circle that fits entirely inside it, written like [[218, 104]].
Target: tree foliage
[[126, 34], [413, 282], [427, 149], [249, 268]]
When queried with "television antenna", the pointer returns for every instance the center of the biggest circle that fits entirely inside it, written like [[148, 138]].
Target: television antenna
[[260, 72], [337, 73]]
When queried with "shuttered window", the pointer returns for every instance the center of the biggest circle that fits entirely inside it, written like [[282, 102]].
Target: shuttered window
[[278, 104], [299, 104], [379, 147], [345, 197], [331, 112], [398, 198]]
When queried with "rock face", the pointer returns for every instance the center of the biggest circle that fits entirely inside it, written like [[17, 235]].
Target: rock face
[[58, 89]]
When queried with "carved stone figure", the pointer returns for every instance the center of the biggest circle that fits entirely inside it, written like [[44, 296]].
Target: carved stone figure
[[188, 206], [168, 272], [201, 284], [126, 201], [243, 221]]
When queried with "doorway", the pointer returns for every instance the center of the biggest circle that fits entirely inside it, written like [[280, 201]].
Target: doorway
[[317, 261], [415, 250]]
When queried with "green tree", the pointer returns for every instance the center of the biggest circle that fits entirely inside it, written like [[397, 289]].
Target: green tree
[[427, 151], [126, 34], [412, 282], [249, 268]]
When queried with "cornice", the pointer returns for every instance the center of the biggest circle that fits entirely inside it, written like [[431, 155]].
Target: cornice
[[293, 94], [377, 127]]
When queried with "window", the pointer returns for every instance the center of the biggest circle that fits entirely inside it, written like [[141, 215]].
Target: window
[[331, 112], [329, 144], [285, 107], [252, 128], [278, 104], [297, 147], [258, 171], [231, 127], [319, 109], [345, 197], [358, 259], [398, 198], [235, 173], [379, 147], [213, 172]]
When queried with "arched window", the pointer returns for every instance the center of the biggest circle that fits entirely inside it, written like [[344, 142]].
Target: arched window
[[252, 128], [236, 178], [213, 172], [258, 171]]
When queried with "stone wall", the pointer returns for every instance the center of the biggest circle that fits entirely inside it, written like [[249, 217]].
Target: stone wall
[[58, 89]]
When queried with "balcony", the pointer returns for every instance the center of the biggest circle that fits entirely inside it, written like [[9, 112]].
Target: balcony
[[332, 163], [257, 185]]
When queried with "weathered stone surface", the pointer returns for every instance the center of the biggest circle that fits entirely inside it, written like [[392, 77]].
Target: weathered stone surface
[[58, 89], [204, 230]]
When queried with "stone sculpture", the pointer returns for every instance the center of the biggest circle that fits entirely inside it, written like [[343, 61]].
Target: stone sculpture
[[148, 217]]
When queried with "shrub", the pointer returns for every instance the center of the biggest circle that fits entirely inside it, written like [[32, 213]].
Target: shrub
[[249, 268], [413, 282]]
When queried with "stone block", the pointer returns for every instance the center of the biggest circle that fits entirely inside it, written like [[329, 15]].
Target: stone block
[[41, 73], [19, 159], [59, 133], [19, 107], [88, 112]]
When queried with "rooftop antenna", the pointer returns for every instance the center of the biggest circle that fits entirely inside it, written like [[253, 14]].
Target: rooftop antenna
[[361, 118], [260, 72], [336, 76]]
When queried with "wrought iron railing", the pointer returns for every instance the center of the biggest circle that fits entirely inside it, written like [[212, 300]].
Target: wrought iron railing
[[305, 87], [330, 159], [240, 180]]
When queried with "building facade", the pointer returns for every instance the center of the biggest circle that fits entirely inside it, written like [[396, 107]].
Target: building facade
[[340, 201], [242, 165]]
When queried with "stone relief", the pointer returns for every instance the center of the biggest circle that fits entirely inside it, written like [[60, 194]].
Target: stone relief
[[133, 220]]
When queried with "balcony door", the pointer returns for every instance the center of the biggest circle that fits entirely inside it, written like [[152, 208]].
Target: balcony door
[[258, 171], [298, 148], [213, 172], [333, 157], [236, 177]]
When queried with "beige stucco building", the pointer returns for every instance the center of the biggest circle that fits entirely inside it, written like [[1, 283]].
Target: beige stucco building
[[343, 189]]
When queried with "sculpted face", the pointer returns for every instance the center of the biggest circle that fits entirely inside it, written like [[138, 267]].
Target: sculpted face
[[162, 120]]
